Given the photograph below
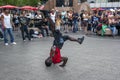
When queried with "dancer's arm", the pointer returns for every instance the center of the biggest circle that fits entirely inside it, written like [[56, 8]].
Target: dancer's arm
[[52, 51]]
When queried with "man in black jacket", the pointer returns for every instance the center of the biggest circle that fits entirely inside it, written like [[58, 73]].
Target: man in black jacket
[[24, 27]]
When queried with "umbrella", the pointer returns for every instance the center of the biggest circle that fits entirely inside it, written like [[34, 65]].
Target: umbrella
[[28, 8], [101, 9], [9, 6], [93, 9], [97, 9], [35, 8]]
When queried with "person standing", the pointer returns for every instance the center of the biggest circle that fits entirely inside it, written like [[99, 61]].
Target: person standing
[[16, 22], [75, 22], [85, 21], [58, 22], [70, 18], [53, 15], [1, 31], [24, 27], [7, 27]]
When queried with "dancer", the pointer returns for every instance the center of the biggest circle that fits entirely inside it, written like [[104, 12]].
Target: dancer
[[59, 39]]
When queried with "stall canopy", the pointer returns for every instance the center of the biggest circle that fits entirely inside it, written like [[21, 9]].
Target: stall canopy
[[8, 7], [29, 8]]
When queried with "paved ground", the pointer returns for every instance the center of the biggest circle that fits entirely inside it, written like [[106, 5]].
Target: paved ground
[[96, 59]]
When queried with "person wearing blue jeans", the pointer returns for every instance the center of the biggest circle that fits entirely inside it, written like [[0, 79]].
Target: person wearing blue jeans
[[113, 29], [75, 22], [7, 27]]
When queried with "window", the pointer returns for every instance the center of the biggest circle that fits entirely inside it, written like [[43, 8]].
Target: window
[[113, 0], [92, 1], [59, 3], [65, 3]]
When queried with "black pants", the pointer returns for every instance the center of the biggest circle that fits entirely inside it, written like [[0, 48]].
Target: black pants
[[118, 28], [70, 23], [42, 31], [24, 29], [1, 35]]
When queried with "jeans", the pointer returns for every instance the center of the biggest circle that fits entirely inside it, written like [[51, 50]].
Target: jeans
[[75, 26], [44, 32], [6, 32], [24, 29], [113, 29]]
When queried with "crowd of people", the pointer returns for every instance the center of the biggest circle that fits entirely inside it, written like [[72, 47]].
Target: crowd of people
[[88, 21], [92, 22], [35, 24]]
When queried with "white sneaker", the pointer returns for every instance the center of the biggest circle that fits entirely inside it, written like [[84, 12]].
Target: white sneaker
[[13, 43], [6, 44]]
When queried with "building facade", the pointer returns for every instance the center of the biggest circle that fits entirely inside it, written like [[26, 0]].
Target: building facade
[[67, 5], [78, 5], [104, 3]]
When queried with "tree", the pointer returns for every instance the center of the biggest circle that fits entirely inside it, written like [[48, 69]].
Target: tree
[[21, 2]]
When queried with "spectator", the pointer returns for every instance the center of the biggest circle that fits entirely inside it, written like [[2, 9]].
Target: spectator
[[118, 26], [66, 23], [75, 22], [104, 24], [45, 28], [58, 22], [70, 18], [81, 19], [38, 16], [89, 27], [16, 22], [95, 21], [53, 15], [85, 21], [112, 22], [24, 27], [1, 32], [7, 27]]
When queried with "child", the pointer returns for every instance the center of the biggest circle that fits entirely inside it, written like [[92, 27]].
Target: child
[[58, 42]]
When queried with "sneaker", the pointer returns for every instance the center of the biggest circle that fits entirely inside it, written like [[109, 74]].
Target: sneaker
[[6, 44], [80, 40], [13, 43], [64, 63]]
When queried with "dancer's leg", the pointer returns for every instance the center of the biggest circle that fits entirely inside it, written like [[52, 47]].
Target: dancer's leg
[[79, 40]]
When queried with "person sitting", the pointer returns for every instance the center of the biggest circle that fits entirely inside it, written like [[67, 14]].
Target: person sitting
[[117, 25], [104, 24], [112, 22], [43, 27]]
